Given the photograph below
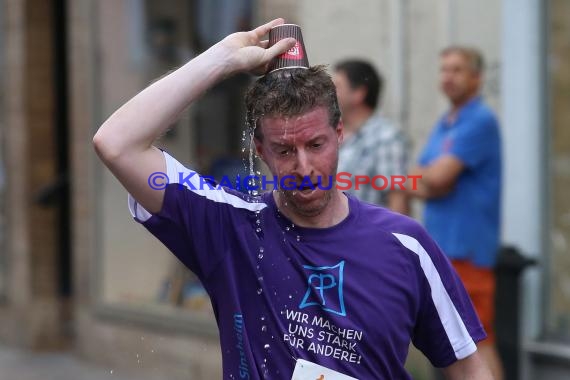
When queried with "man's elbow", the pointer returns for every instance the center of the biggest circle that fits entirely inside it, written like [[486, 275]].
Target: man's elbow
[[105, 148], [439, 185], [471, 367]]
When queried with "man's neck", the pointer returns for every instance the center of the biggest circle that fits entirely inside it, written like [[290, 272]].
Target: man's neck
[[355, 119], [334, 213], [460, 103]]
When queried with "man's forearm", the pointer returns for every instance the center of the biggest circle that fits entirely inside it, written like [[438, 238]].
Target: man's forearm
[[416, 186], [422, 188], [472, 367], [137, 124]]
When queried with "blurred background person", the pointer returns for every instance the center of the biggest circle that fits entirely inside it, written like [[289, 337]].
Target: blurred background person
[[461, 184], [372, 145]]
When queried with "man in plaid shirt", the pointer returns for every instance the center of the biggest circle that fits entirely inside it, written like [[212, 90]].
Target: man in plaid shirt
[[372, 145]]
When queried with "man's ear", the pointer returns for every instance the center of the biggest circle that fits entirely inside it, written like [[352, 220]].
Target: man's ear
[[360, 93], [258, 148], [340, 131], [478, 79]]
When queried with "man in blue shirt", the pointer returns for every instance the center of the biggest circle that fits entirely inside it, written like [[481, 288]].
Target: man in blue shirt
[[461, 184]]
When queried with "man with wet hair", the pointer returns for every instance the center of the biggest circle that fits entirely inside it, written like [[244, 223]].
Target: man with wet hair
[[372, 144], [305, 282]]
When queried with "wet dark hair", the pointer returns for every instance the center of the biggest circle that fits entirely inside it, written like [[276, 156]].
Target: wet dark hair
[[362, 74], [291, 92]]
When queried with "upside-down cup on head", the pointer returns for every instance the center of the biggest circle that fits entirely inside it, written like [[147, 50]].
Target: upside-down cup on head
[[294, 58]]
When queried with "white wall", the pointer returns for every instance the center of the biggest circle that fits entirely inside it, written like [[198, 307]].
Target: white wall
[[336, 29], [403, 39]]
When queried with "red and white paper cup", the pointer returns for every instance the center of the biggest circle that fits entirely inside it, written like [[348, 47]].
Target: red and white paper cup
[[296, 57]]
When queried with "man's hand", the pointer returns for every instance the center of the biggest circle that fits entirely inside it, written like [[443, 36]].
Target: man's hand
[[246, 51]]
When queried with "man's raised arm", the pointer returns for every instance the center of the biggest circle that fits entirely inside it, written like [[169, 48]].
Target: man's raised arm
[[125, 141]]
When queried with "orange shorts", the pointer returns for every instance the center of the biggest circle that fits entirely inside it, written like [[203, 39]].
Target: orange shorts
[[480, 284]]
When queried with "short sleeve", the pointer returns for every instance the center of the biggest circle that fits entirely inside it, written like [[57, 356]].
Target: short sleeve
[[475, 141], [447, 327], [197, 218], [423, 158]]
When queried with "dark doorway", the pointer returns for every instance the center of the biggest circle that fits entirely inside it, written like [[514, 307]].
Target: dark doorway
[[62, 143]]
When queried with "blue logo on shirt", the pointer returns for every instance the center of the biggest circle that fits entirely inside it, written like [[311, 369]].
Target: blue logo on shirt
[[325, 288]]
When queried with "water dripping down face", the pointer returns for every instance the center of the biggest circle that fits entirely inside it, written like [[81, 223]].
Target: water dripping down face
[[302, 151]]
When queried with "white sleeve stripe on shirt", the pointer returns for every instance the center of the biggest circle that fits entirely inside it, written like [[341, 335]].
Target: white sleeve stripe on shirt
[[137, 211], [459, 338], [175, 170]]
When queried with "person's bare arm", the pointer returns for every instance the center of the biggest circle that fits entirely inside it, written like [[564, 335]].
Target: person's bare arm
[[437, 179], [471, 368], [125, 141]]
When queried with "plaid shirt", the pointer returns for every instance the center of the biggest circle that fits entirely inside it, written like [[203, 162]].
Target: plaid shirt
[[377, 148]]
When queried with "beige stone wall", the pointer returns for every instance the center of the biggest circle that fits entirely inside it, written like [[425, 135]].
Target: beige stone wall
[[267, 10], [30, 316], [119, 340]]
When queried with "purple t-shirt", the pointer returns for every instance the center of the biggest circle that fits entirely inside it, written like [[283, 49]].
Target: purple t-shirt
[[350, 297]]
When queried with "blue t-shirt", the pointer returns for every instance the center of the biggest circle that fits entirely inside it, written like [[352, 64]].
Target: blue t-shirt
[[350, 298], [466, 222]]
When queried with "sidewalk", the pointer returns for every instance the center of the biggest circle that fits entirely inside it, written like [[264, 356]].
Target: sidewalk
[[16, 364]]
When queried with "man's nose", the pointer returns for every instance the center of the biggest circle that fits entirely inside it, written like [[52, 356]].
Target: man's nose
[[303, 165]]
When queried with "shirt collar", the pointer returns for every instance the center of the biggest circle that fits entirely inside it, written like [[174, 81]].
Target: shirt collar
[[465, 109]]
